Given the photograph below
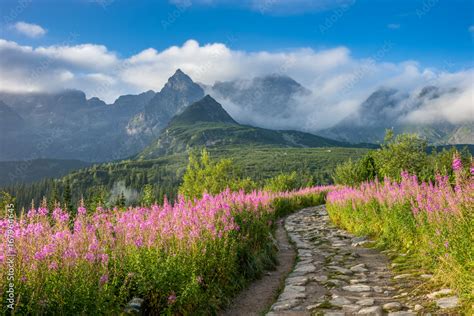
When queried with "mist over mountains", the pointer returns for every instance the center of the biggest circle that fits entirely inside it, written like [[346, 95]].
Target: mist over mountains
[[68, 125]]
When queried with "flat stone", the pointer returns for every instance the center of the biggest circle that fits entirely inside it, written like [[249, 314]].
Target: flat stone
[[392, 306], [301, 280], [402, 313], [371, 311], [360, 243], [134, 306], [336, 282], [359, 239], [357, 288], [291, 295], [295, 288], [334, 313], [439, 293], [447, 302], [307, 268], [418, 307], [358, 281], [341, 270], [378, 289], [359, 268], [366, 302], [402, 276], [340, 301], [320, 278], [311, 307], [426, 276], [351, 308], [284, 305]]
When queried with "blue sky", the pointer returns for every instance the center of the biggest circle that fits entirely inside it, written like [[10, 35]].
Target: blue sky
[[434, 33], [340, 50]]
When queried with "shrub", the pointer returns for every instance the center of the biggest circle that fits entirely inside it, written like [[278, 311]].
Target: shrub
[[204, 175]]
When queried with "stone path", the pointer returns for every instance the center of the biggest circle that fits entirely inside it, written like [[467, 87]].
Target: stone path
[[334, 275]]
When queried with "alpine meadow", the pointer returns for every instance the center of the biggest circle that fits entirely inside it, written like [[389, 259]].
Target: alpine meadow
[[191, 157]]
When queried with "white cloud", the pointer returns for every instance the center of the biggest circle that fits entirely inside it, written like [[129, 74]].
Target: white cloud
[[29, 29], [339, 82]]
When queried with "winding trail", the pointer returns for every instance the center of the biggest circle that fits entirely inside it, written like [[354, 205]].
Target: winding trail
[[260, 295], [334, 276]]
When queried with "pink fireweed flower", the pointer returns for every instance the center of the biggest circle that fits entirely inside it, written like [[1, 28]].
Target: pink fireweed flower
[[81, 210], [172, 298], [104, 279], [457, 164], [53, 265]]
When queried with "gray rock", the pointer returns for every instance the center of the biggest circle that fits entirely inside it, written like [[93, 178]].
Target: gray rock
[[301, 280], [371, 311], [392, 306], [378, 289], [359, 268], [447, 302], [402, 276], [336, 282], [357, 288], [439, 293], [334, 313], [418, 307], [282, 306], [134, 306], [366, 302], [358, 281], [341, 270], [340, 301], [402, 313], [320, 278], [351, 308], [307, 268]]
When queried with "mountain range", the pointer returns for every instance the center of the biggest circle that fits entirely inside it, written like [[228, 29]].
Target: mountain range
[[205, 123], [67, 125]]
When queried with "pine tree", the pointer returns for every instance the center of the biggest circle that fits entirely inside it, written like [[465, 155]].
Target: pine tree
[[67, 197]]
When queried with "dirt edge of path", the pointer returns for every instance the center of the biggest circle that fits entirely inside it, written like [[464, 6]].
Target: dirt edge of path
[[262, 293]]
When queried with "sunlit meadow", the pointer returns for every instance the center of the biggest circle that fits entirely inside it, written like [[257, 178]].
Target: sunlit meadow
[[181, 257], [432, 223]]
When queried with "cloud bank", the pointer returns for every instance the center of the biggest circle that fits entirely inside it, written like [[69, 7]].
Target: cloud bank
[[339, 82]]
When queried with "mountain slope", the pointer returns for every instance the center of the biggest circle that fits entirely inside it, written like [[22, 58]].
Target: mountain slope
[[253, 101], [179, 92], [206, 123], [389, 108], [34, 170]]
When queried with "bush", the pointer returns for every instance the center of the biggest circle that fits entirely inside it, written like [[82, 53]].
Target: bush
[[204, 175], [282, 182]]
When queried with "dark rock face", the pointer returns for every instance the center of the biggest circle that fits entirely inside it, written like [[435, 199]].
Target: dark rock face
[[179, 92]]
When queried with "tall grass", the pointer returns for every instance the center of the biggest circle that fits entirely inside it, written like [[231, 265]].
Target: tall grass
[[433, 222], [191, 256]]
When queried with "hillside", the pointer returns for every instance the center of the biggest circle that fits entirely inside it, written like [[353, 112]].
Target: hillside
[[37, 169], [206, 124]]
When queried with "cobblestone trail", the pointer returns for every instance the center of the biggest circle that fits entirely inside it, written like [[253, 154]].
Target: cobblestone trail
[[335, 275]]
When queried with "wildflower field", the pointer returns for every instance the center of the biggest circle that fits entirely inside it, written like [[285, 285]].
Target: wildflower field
[[181, 257], [431, 223]]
